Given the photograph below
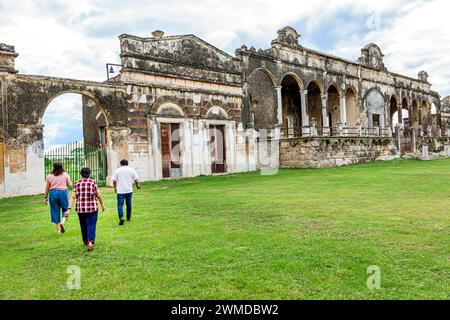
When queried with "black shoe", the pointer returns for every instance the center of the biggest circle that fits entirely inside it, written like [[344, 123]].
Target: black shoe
[[128, 219], [122, 222]]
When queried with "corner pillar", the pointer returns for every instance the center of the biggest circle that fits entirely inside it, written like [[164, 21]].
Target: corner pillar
[[304, 109], [325, 122], [116, 150], [279, 105]]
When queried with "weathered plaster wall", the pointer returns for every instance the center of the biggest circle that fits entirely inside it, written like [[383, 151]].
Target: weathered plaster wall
[[24, 101], [93, 119], [262, 101], [335, 152]]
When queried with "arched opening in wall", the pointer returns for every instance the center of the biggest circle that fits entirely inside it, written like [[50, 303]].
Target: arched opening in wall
[[351, 102], [292, 115], [75, 134], [217, 119], [434, 119], [393, 112], [426, 115], [415, 121], [376, 112], [333, 107], [171, 117], [405, 115], [262, 104], [315, 103]]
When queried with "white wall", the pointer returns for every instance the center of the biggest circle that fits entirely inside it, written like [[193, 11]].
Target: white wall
[[195, 155]]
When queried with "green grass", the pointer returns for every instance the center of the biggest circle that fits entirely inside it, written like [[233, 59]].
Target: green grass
[[301, 234]]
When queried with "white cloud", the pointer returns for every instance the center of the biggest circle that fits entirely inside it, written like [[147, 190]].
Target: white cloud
[[416, 39], [76, 38]]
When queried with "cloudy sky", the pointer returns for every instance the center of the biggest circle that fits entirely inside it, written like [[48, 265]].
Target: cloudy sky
[[76, 38]]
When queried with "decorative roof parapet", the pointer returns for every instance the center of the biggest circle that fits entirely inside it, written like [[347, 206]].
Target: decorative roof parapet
[[423, 76], [7, 58], [287, 36]]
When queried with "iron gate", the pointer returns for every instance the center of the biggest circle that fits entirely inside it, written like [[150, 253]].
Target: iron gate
[[75, 156]]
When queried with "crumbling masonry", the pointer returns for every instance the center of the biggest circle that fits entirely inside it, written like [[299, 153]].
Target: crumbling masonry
[[181, 93]]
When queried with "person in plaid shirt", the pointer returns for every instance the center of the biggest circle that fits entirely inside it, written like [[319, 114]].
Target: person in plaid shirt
[[86, 194]]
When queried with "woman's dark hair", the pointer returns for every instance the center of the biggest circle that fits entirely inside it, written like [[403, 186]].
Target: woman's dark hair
[[85, 173], [57, 169]]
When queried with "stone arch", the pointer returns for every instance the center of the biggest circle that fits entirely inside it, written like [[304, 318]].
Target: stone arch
[[170, 110], [394, 103], [336, 87], [294, 76], [84, 93], [334, 116], [216, 113], [314, 98], [291, 86], [351, 102], [164, 100], [268, 73], [262, 99], [376, 106], [415, 120], [426, 114], [318, 84], [215, 103]]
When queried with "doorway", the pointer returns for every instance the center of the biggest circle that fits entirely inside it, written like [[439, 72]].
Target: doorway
[[170, 149], [217, 148]]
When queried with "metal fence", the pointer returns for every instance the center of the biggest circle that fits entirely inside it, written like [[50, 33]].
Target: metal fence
[[75, 156]]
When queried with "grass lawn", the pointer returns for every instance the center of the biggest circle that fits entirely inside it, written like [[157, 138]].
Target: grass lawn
[[301, 234]]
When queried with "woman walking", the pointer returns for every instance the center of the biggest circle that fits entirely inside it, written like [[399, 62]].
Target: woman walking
[[86, 193], [57, 195]]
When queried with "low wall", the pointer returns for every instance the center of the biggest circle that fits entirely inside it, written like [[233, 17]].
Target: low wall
[[335, 152], [430, 148]]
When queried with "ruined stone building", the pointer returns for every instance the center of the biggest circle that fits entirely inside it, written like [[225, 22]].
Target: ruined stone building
[[181, 107]]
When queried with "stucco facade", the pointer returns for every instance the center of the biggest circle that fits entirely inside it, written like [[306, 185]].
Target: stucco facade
[[180, 107]]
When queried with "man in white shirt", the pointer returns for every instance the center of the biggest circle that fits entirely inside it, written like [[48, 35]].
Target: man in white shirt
[[123, 180]]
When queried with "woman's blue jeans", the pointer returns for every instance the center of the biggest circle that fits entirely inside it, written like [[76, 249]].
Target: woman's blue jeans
[[88, 224]]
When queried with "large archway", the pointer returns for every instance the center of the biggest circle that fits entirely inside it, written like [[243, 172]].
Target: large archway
[[351, 102], [75, 134], [292, 114], [376, 112], [334, 116], [263, 110], [415, 115], [404, 116], [426, 116], [315, 102], [393, 112]]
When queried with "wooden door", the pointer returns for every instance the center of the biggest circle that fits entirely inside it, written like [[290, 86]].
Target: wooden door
[[217, 148], [170, 148], [165, 149], [175, 153]]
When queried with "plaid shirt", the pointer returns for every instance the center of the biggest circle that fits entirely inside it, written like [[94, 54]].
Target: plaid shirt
[[86, 190]]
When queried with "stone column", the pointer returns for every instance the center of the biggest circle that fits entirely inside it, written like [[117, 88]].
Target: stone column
[[410, 112], [117, 148], [343, 111], [420, 116], [279, 105], [304, 108], [383, 124], [325, 125], [400, 115]]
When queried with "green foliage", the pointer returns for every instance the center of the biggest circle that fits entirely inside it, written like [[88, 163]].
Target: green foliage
[[381, 142], [301, 234]]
